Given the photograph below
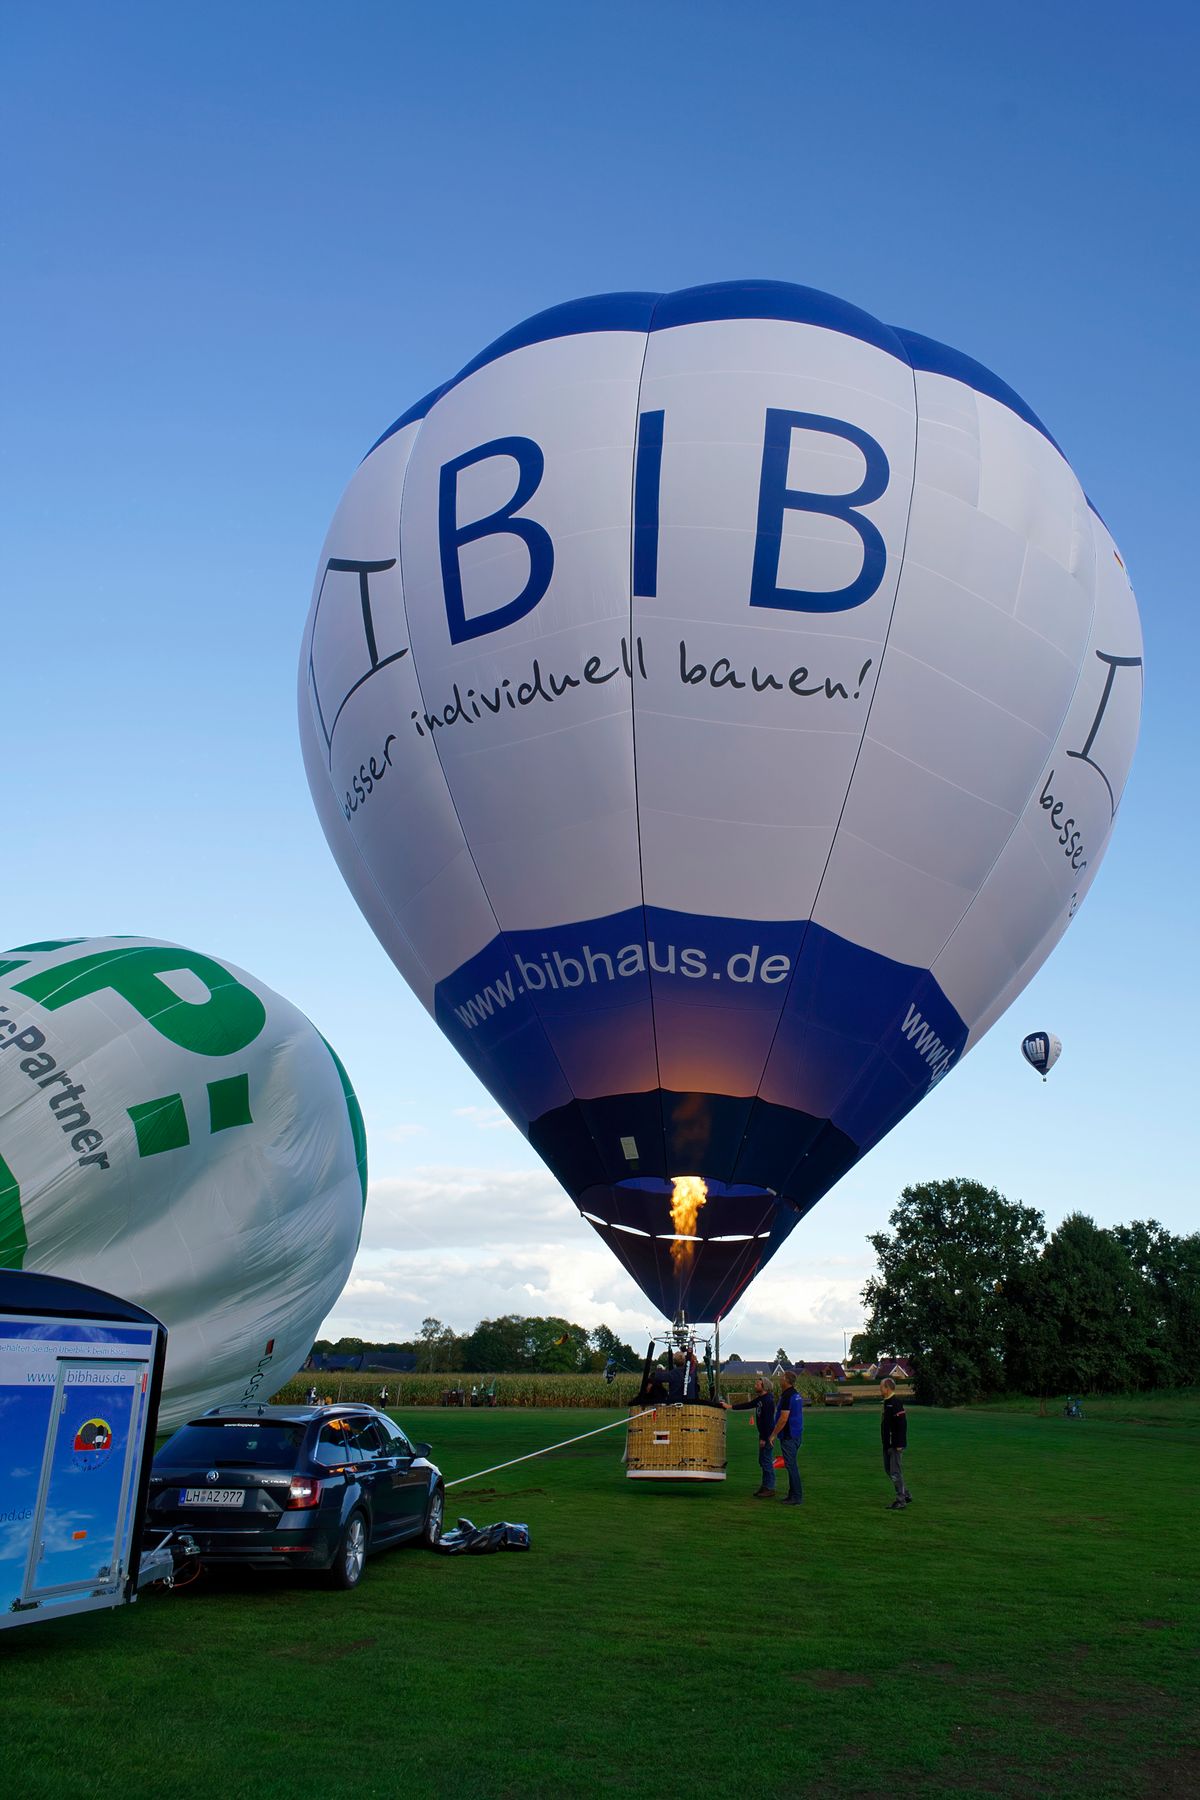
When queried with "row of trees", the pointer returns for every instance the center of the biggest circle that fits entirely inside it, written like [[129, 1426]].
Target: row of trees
[[972, 1288], [510, 1345]]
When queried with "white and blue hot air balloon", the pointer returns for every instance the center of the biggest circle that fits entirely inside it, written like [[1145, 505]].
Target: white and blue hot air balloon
[[1041, 1050], [718, 703], [174, 1132]]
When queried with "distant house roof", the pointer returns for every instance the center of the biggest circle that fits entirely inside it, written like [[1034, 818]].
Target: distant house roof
[[372, 1362], [898, 1367], [828, 1371]]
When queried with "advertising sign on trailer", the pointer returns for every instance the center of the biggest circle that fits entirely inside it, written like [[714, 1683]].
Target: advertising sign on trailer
[[80, 1377]]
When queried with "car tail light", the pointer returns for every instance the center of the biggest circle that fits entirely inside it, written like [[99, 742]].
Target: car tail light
[[303, 1492]]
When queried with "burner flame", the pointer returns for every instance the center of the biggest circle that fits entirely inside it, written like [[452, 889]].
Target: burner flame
[[689, 1194]]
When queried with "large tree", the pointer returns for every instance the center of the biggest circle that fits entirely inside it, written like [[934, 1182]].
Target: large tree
[[496, 1346], [1099, 1305], [864, 1348], [555, 1346], [607, 1345], [940, 1296], [515, 1342], [437, 1346], [1169, 1269], [1033, 1344]]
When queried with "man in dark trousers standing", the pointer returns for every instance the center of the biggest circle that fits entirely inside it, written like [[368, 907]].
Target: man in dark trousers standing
[[894, 1431], [789, 1430], [763, 1402]]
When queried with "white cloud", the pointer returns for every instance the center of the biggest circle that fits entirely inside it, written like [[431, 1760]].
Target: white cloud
[[579, 1282], [400, 1134], [436, 1206], [805, 1314], [485, 1118]]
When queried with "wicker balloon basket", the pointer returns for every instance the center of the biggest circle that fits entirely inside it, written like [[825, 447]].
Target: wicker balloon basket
[[676, 1443]]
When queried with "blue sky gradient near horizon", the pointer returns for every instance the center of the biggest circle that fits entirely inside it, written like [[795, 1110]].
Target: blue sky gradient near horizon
[[240, 241]]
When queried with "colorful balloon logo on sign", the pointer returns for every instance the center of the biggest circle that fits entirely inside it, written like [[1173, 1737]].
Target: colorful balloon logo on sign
[[173, 1132], [718, 703]]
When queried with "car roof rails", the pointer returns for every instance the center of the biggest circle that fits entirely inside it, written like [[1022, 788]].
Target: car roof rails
[[299, 1410]]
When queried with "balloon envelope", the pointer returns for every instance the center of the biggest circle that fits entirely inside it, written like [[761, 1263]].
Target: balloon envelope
[[173, 1132], [1041, 1050], [718, 703]]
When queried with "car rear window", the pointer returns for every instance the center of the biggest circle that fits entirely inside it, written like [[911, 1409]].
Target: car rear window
[[262, 1443]]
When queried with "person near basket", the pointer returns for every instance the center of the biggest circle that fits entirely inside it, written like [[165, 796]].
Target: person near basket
[[762, 1401], [894, 1432], [788, 1431], [683, 1379], [653, 1390]]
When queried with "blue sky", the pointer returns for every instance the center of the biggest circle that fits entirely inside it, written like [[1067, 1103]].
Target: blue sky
[[241, 240]]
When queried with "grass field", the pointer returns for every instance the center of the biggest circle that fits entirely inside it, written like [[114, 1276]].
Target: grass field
[[1029, 1627]]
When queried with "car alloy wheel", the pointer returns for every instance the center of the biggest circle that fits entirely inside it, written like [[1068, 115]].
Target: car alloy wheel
[[352, 1553], [433, 1519]]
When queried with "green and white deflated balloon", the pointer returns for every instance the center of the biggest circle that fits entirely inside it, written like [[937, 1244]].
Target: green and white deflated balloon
[[174, 1132]]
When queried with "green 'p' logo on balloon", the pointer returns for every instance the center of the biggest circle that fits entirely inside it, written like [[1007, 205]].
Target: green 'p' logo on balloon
[[230, 1018]]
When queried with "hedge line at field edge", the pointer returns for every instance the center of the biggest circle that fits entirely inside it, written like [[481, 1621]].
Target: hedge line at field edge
[[511, 1390]]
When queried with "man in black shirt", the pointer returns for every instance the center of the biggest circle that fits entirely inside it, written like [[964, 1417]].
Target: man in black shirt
[[763, 1402], [894, 1432], [654, 1387]]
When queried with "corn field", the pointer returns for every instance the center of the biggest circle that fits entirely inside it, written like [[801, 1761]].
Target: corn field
[[405, 1391]]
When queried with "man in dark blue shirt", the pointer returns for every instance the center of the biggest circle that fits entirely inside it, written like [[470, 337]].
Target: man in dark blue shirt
[[683, 1377], [789, 1430]]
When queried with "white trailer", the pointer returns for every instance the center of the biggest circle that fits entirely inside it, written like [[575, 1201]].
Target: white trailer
[[80, 1378]]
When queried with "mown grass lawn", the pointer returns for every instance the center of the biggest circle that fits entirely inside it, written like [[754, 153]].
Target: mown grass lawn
[[1030, 1626]]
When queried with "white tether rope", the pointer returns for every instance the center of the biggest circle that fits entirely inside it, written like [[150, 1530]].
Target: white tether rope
[[496, 1467]]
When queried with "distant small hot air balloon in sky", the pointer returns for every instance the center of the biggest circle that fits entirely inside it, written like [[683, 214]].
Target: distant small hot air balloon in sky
[[1041, 1050], [173, 1132], [718, 703]]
